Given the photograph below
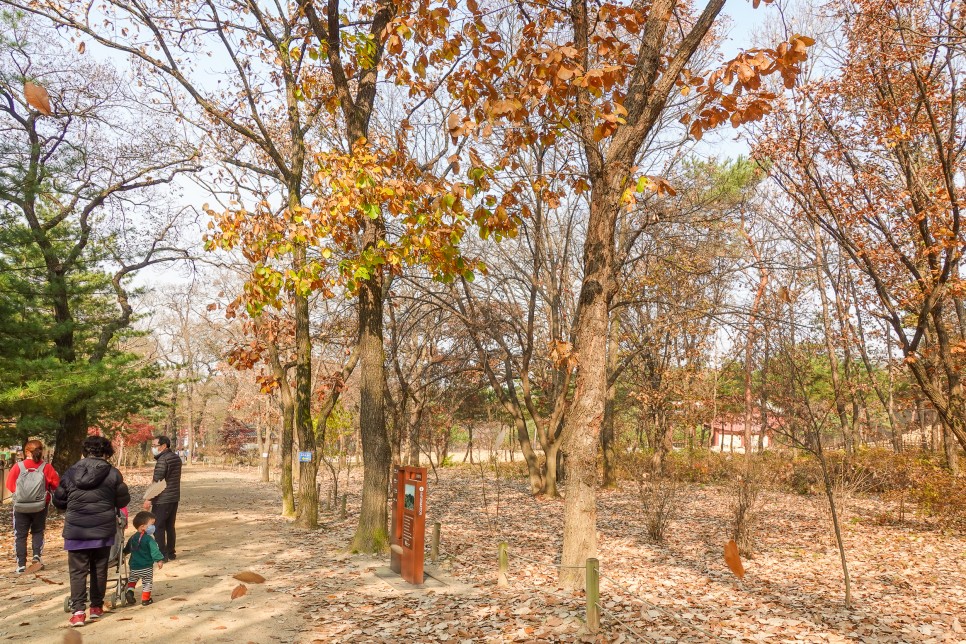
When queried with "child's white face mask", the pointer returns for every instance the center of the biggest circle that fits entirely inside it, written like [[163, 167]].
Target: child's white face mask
[[150, 529]]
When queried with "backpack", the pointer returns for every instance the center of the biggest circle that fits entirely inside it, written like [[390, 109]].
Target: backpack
[[31, 492]]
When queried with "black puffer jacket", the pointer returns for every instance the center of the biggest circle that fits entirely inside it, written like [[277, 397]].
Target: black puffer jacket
[[92, 491], [168, 469]]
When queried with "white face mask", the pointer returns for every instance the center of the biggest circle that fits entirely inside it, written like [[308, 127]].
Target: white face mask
[[155, 450]]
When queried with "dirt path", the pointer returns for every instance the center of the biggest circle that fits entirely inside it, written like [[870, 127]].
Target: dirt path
[[227, 523]]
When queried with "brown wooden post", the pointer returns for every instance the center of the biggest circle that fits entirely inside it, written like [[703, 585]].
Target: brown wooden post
[[593, 595], [503, 561], [434, 544]]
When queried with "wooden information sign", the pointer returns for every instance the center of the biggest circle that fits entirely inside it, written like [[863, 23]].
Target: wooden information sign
[[409, 523]]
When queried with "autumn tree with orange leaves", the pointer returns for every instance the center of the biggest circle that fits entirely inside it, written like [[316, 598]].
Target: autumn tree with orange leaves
[[605, 72], [873, 154]]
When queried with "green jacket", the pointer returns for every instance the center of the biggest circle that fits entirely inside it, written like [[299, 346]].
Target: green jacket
[[144, 551]]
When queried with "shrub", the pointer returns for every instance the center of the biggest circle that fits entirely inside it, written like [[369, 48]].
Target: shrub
[[659, 496], [658, 493], [703, 466], [745, 506]]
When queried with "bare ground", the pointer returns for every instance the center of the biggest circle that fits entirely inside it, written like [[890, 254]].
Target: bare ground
[[227, 523]]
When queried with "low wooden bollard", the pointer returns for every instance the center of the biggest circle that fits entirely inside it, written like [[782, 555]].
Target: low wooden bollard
[[342, 510], [593, 595], [434, 544], [503, 559]]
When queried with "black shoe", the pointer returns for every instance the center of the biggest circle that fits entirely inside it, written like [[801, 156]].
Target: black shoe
[[129, 597], [147, 602], [172, 557]]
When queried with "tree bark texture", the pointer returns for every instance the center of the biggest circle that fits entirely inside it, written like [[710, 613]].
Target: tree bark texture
[[372, 531], [307, 512], [607, 438], [581, 433]]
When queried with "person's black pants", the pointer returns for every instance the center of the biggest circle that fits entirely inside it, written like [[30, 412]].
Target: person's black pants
[[33, 523], [84, 564], [165, 515]]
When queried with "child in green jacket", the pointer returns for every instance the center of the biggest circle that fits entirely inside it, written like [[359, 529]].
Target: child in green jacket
[[144, 553]]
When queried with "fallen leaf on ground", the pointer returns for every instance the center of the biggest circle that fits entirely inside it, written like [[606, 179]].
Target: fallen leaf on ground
[[240, 591], [250, 577]]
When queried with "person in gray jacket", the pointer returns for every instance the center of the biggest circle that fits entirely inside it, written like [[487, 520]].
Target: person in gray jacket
[[167, 468]]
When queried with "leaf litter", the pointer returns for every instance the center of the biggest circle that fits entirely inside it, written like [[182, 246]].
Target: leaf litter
[[908, 582]]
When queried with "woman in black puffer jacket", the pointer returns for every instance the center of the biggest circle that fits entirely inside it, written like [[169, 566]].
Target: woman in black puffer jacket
[[91, 491]]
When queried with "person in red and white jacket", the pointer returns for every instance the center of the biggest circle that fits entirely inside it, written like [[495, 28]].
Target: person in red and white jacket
[[33, 522]]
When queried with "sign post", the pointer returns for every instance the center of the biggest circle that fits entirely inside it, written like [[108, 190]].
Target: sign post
[[409, 523], [305, 457]]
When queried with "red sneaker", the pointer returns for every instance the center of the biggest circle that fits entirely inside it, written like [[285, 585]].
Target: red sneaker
[[97, 612], [78, 619]]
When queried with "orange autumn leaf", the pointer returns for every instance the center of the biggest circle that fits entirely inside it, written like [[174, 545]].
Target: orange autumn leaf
[[240, 591], [733, 559], [37, 98], [250, 577]]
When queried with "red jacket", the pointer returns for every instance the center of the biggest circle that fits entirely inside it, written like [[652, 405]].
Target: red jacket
[[53, 480]]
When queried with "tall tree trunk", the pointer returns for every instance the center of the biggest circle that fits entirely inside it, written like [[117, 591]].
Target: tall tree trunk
[[286, 450], [172, 420], [607, 432], [307, 512], [890, 405], [372, 532], [264, 440], [413, 427], [287, 446], [191, 409], [551, 470], [529, 455], [72, 429], [70, 439], [952, 451], [582, 424]]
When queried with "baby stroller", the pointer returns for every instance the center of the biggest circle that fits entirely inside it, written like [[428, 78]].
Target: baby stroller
[[117, 569]]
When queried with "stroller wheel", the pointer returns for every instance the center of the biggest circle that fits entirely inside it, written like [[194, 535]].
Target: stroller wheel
[[67, 604], [111, 603]]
